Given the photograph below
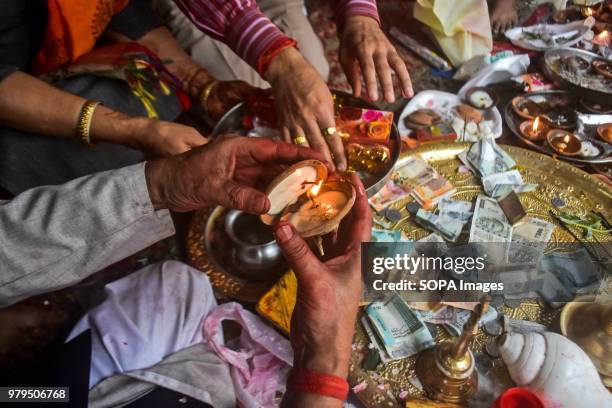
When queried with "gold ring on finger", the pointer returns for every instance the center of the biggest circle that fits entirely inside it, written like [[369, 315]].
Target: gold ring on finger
[[330, 131], [299, 140]]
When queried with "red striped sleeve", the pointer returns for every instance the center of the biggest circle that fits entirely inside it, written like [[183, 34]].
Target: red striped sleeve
[[246, 30], [346, 8], [238, 23]]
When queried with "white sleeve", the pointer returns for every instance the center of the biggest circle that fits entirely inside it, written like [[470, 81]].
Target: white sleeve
[[54, 236]]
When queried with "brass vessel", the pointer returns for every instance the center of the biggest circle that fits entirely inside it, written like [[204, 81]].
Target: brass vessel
[[589, 325], [447, 370]]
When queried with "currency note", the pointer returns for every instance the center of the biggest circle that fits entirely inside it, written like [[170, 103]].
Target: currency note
[[388, 194], [427, 194], [455, 327], [533, 230], [400, 329], [525, 326], [439, 315], [450, 229], [414, 171], [501, 190], [374, 340], [379, 235], [529, 241], [489, 223], [488, 158], [455, 209]]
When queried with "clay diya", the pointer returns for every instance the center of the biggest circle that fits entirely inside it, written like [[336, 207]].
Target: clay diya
[[422, 118], [563, 142], [303, 196], [534, 130], [526, 108], [603, 67], [481, 98], [561, 117], [605, 132]]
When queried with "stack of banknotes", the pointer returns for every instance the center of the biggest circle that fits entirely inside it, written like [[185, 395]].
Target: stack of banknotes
[[417, 178]]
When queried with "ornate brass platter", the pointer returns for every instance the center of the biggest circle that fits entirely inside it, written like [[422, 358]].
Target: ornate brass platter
[[579, 191]]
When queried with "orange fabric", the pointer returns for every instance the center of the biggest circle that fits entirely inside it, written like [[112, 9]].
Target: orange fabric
[[73, 27]]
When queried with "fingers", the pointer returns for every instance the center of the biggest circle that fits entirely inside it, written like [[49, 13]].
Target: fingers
[[351, 70], [268, 152], [399, 66], [332, 142], [244, 198], [369, 75], [317, 141], [384, 76], [300, 258]]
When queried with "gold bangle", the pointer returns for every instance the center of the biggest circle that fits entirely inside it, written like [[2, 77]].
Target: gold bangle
[[83, 126], [206, 91]]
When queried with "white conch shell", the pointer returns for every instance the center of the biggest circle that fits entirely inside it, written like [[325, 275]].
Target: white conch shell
[[554, 368]]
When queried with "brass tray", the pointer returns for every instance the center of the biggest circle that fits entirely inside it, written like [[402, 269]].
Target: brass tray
[[580, 191]]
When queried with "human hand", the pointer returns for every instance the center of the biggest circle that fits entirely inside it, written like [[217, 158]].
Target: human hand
[[323, 321], [304, 104], [225, 95], [225, 172], [366, 51], [162, 138]]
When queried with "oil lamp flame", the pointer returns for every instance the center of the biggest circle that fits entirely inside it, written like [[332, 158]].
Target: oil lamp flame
[[536, 125], [313, 192], [588, 12]]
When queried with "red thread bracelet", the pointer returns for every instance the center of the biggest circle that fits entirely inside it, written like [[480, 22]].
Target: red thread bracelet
[[265, 59], [313, 382]]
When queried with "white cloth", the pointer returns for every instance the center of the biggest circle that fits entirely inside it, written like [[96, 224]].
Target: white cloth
[[146, 316]]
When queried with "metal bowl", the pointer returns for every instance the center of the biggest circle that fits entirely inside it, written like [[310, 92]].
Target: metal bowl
[[592, 95], [254, 244], [232, 122]]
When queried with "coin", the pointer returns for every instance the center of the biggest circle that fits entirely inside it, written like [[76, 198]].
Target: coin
[[492, 349], [412, 207], [493, 328], [393, 215], [512, 303], [558, 202]]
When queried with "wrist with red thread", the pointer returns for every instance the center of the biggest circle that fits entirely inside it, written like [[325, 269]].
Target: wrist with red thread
[[266, 58], [314, 382]]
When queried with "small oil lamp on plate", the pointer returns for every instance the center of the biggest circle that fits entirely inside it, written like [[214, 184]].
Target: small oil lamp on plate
[[534, 130], [303, 196], [563, 142]]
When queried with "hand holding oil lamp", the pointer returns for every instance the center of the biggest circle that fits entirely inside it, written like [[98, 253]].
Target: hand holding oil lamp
[[447, 370], [303, 196]]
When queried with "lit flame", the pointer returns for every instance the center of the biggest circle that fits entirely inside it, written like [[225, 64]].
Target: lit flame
[[536, 124], [588, 12], [566, 139], [603, 36], [314, 191]]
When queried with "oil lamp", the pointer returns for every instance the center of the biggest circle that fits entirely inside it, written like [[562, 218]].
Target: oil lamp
[[564, 142], [447, 370], [303, 196], [534, 129]]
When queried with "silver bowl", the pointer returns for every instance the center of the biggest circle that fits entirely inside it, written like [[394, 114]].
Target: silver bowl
[[254, 243], [232, 123]]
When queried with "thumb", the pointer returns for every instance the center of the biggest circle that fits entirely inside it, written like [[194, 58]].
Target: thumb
[[299, 256], [245, 198]]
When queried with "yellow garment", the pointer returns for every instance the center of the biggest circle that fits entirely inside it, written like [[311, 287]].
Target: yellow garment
[[462, 28], [277, 304]]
